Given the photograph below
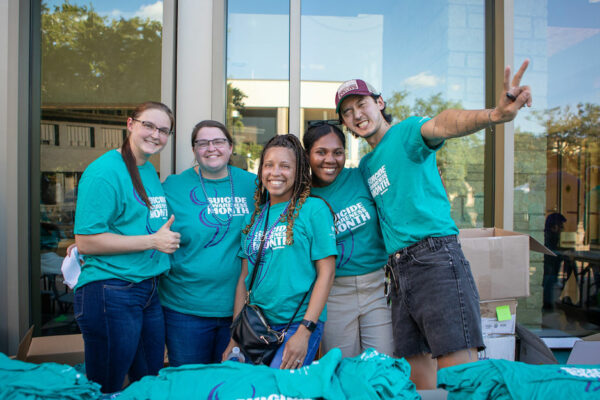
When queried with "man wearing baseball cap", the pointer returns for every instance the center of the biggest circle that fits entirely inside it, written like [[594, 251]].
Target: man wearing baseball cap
[[435, 303]]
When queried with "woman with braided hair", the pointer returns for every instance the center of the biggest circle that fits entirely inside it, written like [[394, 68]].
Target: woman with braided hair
[[298, 255], [123, 229]]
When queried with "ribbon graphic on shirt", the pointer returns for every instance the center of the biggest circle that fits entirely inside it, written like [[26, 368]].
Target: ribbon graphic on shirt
[[345, 249], [214, 394], [158, 210], [251, 251], [149, 229], [220, 228]]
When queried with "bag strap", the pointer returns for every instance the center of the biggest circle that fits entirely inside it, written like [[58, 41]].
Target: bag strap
[[299, 305], [255, 270], [259, 255]]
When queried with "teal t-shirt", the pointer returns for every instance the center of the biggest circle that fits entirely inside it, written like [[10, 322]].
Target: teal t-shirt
[[510, 380], [107, 202], [372, 375], [403, 177], [205, 269], [287, 272], [356, 224], [23, 380], [369, 376], [238, 381]]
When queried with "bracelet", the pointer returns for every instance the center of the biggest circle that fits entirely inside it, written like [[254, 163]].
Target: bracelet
[[490, 124], [311, 326]]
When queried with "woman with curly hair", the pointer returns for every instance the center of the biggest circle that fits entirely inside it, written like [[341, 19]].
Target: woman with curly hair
[[298, 255]]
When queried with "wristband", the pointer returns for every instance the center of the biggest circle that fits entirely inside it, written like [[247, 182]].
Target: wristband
[[311, 326], [490, 123]]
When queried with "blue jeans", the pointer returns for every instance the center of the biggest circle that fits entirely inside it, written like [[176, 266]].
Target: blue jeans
[[123, 330], [313, 343], [195, 340]]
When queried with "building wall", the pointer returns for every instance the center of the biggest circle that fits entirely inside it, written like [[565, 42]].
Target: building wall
[[14, 134]]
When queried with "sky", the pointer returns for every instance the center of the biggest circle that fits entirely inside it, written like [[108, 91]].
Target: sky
[[388, 44], [119, 8]]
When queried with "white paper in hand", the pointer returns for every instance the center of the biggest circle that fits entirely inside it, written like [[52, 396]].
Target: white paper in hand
[[71, 268]]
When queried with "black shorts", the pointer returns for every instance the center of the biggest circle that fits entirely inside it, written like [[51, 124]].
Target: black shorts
[[435, 303]]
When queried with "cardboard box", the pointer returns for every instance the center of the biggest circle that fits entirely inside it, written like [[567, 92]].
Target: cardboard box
[[498, 347], [62, 349], [586, 351], [489, 317], [24, 345], [500, 261]]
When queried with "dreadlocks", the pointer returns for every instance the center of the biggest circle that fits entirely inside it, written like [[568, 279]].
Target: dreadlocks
[[300, 189]]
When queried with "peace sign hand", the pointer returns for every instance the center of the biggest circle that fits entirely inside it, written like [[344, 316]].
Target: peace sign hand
[[513, 97]]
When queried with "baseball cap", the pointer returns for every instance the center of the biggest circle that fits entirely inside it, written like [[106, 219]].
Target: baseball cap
[[353, 87]]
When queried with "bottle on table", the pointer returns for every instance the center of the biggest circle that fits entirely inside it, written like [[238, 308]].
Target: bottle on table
[[236, 355]]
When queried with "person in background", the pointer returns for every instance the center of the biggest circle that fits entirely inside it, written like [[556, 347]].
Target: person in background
[[123, 231], [358, 317], [435, 303], [209, 201], [298, 256], [552, 229]]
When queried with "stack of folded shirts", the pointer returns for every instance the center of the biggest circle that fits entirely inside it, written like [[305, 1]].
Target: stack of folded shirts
[[368, 376], [502, 379], [22, 380]]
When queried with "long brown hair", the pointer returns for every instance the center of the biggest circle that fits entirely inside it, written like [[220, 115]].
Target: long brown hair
[[128, 156], [300, 189]]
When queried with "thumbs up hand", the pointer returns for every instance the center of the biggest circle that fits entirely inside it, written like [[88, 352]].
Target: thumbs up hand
[[165, 240]]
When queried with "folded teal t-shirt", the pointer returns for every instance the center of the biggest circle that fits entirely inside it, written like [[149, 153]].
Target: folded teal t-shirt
[[502, 379], [22, 380]]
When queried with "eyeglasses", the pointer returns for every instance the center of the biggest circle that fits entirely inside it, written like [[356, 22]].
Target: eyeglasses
[[150, 127], [218, 142], [321, 122]]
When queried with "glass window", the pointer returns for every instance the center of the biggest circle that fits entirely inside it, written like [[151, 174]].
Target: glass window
[[420, 68], [557, 168], [99, 60], [257, 76]]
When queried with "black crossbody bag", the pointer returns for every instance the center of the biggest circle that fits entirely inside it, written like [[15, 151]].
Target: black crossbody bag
[[251, 330]]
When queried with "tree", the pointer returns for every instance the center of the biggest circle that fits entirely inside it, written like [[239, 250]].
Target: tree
[[246, 152], [568, 150], [91, 59], [235, 108], [570, 130], [396, 106]]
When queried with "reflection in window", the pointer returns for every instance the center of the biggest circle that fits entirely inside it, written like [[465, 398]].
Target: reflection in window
[[98, 63], [420, 68], [557, 160], [257, 76]]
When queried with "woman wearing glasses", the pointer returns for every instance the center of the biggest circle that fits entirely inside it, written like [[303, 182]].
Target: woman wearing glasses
[[209, 202], [358, 316], [123, 230]]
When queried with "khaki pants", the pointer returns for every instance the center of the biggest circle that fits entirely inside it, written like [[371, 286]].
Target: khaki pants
[[358, 316]]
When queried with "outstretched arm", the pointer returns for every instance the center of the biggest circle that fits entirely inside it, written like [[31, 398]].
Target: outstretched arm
[[456, 123]]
